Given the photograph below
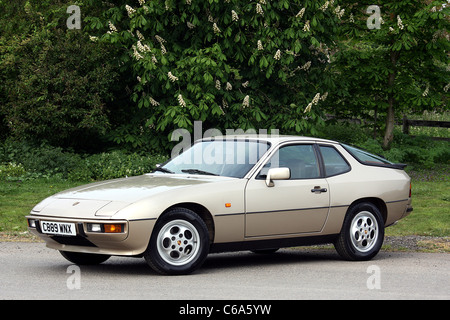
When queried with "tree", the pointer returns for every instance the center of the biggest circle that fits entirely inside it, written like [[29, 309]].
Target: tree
[[231, 64], [55, 82], [393, 59]]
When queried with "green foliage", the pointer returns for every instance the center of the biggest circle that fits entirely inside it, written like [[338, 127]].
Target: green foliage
[[54, 81], [115, 164], [11, 171], [22, 160], [420, 152], [400, 68], [230, 64]]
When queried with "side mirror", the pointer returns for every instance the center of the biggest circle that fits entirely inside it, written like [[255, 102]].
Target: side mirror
[[277, 174]]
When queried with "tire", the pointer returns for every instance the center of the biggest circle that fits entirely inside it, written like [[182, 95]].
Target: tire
[[179, 243], [84, 258], [362, 233]]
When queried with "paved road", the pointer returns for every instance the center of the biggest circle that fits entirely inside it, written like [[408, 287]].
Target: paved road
[[31, 271]]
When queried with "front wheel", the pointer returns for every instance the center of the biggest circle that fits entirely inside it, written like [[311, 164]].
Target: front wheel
[[179, 243], [362, 233]]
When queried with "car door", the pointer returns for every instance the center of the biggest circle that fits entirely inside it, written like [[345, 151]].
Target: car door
[[297, 205]]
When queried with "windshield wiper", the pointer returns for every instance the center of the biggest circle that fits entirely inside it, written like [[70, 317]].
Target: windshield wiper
[[197, 171], [162, 170]]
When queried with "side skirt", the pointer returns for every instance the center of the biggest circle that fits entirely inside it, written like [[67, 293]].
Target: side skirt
[[271, 243]]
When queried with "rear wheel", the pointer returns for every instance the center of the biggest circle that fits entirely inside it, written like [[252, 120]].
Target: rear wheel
[[84, 258], [179, 243], [362, 234]]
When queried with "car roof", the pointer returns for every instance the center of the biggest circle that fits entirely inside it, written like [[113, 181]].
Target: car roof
[[274, 139]]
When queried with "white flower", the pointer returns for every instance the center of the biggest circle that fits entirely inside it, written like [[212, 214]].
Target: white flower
[[139, 79], [400, 23], [218, 86], [140, 36], [143, 48], [160, 39], [277, 55], [427, 89], [262, 1], [188, 2], [130, 10], [224, 103], [314, 101], [325, 6], [245, 84], [260, 46], [447, 87], [190, 25], [316, 98], [229, 87], [307, 27], [300, 13], [154, 60], [352, 19], [324, 96], [216, 28], [172, 77], [181, 101], [163, 49], [308, 108], [153, 102], [136, 54], [141, 2], [306, 66], [246, 102], [234, 16], [93, 38], [112, 27], [259, 9]]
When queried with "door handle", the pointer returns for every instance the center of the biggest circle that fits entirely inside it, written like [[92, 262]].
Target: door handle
[[318, 189]]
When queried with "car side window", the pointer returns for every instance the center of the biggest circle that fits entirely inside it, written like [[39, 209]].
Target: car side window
[[334, 162], [300, 159]]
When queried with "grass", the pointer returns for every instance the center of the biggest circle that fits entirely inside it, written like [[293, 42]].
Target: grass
[[431, 215], [431, 202], [17, 198]]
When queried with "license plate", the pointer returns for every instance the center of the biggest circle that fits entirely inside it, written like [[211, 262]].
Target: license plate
[[58, 228]]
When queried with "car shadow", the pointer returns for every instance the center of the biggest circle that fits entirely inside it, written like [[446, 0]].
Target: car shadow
[[215, 262], [218, 261]]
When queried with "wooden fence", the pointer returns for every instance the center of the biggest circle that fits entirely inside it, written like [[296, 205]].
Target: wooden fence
[[406, 123]]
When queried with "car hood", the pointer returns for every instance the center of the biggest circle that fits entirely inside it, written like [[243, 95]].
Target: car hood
[[107, 197]]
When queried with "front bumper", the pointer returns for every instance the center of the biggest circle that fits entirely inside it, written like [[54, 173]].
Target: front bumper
[[132, 239]]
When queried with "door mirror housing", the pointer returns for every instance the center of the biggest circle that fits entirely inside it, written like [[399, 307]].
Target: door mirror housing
[[277, 174]]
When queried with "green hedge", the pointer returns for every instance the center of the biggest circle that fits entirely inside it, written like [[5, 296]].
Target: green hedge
[[21, 160]]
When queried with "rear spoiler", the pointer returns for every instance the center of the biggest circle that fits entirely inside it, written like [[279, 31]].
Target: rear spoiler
[[401, 166]]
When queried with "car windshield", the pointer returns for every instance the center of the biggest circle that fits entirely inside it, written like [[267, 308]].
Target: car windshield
[[229, 158]]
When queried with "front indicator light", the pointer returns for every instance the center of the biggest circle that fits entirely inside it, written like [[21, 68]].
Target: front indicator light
[[113, 228]]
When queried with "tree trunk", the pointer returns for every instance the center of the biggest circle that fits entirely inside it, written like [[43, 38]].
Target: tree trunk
[[390, 115]]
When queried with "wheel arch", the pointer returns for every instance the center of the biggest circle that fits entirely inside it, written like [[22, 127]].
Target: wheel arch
[[203, 212], [377, 202]]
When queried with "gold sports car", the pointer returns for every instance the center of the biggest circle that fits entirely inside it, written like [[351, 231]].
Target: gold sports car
[[228, 194]]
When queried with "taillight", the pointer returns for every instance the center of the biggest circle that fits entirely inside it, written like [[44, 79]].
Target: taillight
[[410, 189]]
